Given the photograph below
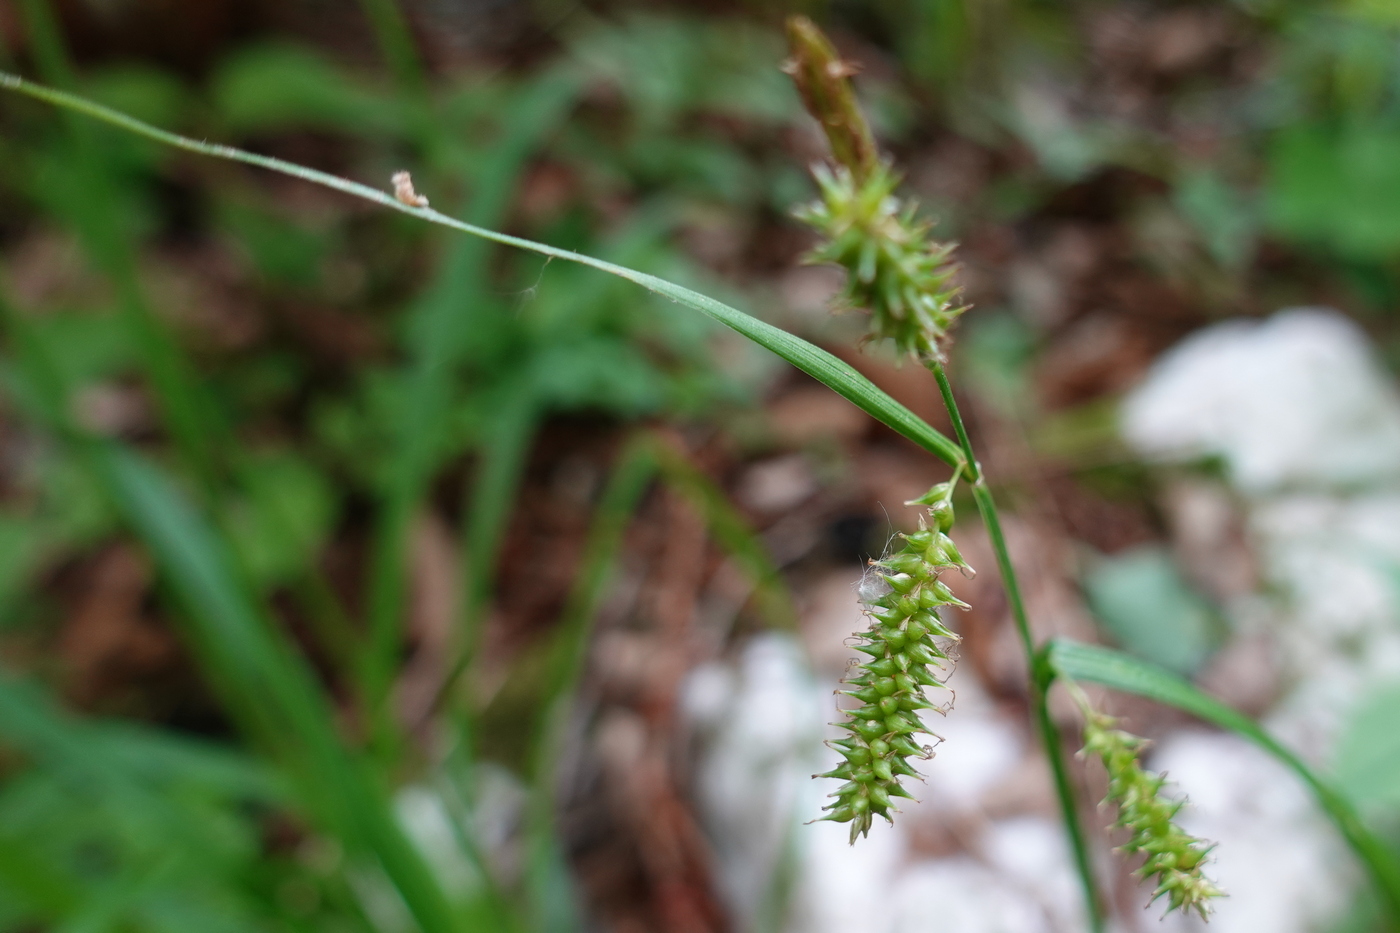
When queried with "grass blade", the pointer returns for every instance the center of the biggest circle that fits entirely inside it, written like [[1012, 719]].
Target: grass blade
[[732, 532], [188, 411], [503, 450], [1123, 672], [266, 684], [817, 363], [440, 335], [563, 669], [266, 680]]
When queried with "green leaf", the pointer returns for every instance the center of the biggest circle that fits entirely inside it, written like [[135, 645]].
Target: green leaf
[[263, 678], [669, 66], [1076, 661], [146, 92], [22, 549], [280, 523], [133, 824], [281, 251], [273, 87], [836, 375], [1339, 188], [1141, 599], [1224, 219], [1368, 757]]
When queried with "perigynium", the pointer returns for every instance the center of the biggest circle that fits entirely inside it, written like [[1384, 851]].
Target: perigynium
[[894, 269], [909, 647], [904, 279]]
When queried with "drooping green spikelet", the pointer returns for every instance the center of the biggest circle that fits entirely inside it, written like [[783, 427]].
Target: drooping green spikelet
[[1174, 857], [907, 645], [893, 269]]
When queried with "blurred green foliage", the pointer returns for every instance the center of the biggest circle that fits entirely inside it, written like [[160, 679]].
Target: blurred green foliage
[[1142, 601], [337, 369], [1368, 756], [260, 443]]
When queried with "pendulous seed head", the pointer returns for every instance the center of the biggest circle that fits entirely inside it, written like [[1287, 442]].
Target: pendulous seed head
[[1174, 858], [907, 646]]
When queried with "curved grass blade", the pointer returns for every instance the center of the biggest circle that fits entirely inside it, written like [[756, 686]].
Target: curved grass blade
[[732, 532], [816, 362], [1077, 661], [268, 681], [266, 684]]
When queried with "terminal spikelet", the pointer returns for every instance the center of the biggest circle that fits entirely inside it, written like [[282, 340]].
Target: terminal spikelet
[[907, 644], [1174, 857], [893, 269]]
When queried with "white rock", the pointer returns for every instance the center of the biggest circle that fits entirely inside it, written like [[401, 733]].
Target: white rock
[[958, 894], [980, 748], [1283, 865], [1297, 399], [841, 887], [1034, 852], [764, 720]]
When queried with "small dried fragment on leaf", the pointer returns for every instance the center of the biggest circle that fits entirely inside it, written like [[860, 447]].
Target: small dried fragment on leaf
[[403, 190]]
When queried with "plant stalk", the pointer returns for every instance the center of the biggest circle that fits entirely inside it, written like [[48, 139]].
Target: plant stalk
[[1039, 684]]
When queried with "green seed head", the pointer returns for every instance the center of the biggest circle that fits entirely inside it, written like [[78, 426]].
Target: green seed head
[[905, 642], [893, 269], [1174, 858]]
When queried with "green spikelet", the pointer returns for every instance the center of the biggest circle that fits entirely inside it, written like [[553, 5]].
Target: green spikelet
[[893, 269], [907, 645], [1174, 857]]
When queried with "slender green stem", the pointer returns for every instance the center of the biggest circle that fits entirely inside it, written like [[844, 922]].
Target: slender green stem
[[970, 465], [1039, 684]]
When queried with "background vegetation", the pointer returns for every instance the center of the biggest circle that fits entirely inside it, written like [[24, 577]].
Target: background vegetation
[[308, 512]]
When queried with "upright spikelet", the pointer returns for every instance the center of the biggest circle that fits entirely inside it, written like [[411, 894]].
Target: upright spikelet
[[1173, 856], [907, 643], [893, 269]]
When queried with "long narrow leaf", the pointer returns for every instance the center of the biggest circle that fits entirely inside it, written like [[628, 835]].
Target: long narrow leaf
[[267, 680], [1077, 661], [817, 363], [733, 533], [265, 683]]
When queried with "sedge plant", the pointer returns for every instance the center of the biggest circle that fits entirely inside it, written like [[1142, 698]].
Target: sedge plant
[[905, 280]]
